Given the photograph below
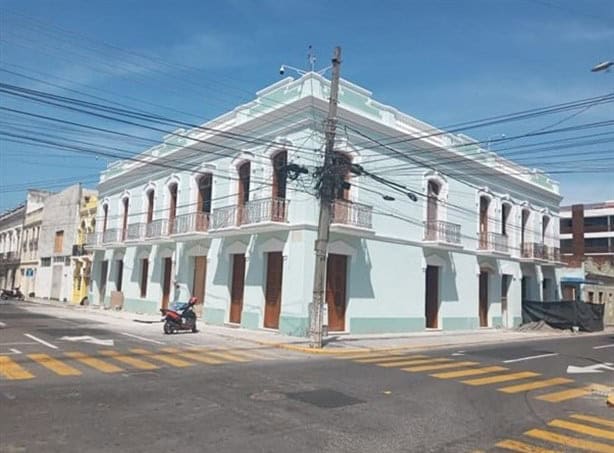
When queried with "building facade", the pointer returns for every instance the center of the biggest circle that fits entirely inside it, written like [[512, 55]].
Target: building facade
[[11, 226], [35, 201], [81, 255], [587, 247], [220, 212], [58, 236]]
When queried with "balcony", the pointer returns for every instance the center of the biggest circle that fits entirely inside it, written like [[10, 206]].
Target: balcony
[[553, 254], [135, 232], [79, 250], [266, 211], [351, 214], [9, 258], [157, 229], [192, 223], [112, 236], [533, 250], [493, 242], [442, 233], [93, 240]]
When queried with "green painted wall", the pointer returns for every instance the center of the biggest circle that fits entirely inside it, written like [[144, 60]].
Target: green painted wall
[[386, 325], [517, 321], [216, 316], [250, 320], [497, 321], [459, 323], [293, 325], [141, 306]]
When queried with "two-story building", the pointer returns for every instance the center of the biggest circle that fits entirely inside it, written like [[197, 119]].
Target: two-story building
[[11, 226], [81, 255], [35, 201], [216, 212]]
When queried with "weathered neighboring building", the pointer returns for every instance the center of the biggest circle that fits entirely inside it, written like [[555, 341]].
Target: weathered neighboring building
[[35, 201], [58, 235], [11, 225], [81, 255], [219, 218]]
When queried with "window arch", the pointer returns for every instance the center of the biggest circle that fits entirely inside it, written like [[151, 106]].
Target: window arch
[[433, 189], [105, 216], [279, 161], [342, 163], [506, 211], [150, 197], [204, 185], [125, 205], [244, 170]]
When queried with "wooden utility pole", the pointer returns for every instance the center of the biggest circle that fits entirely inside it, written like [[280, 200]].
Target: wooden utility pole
[[327, 186]]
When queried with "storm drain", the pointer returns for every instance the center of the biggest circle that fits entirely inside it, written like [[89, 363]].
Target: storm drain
[[324, 398]]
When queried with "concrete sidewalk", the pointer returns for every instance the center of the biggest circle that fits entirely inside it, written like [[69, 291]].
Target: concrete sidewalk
[[343, 343]]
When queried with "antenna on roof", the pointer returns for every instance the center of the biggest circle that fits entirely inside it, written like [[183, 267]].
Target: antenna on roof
[[311, 62], [311, 58]]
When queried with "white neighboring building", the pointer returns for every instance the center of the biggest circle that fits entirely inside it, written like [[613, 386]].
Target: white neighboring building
[[229, 227], [11, 225], [35, 202]]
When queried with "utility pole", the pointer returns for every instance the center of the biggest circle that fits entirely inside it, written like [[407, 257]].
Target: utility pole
[[327, 186]]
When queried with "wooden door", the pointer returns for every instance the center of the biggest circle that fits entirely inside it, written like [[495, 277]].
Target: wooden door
[[483, 298], [198, 286], [431, 302], [336, 280], [238, 287], [166, 282], [274, 275]]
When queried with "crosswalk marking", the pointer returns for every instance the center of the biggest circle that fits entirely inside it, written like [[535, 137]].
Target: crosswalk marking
[[166, 358], [569, 441], [93, 362], [564, 395], [226, 355], [500, 378], [583, 429], [194, 355], [535, 385], [412, 362], [12, 370], [470, 372], [593, 419], [129, 360], [366, 355], [441, 366], [57, 366], [522, 447], [389, 359]]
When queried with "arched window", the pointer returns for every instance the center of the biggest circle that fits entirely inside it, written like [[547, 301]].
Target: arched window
[[244, 171], [545, 227], [433, 190], [205, 184], [506, 209], [172, 208], [150, 205], [524, 222], [342, 164], [125, 203], [280, 160], [105, 213]]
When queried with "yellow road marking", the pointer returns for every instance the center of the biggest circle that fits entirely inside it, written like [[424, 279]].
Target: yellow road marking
[[390, 359], [535, 385], [500, 378], [226, 355], [412, 362], [249, 355], [163, 358], [366, 355], [129, 360], [516, 445], [439, 367], [564, 395], [57, 366], [13, 371], [569, 441], [590, 418], [471, 372], [93, 362], [194, 355], [583, 429]]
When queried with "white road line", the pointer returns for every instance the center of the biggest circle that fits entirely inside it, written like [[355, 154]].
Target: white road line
[[15, 351], [531, 357], [17, 343], [2, 325], [604, 346], [142, 338], [49, 345]]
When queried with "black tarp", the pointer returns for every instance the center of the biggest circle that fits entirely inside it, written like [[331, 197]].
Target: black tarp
[[564, 314]]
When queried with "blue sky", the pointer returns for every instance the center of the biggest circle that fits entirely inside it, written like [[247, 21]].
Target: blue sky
[[444, 62]]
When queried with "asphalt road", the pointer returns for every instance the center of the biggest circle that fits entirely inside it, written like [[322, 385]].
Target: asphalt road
[[134, 395]]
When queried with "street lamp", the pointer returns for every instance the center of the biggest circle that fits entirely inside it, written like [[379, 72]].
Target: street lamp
[[603, 66]]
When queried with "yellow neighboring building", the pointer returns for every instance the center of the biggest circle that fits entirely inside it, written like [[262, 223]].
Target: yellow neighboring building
[[83, 258]]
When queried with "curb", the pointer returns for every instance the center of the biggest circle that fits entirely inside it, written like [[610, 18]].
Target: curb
[[610, 400]]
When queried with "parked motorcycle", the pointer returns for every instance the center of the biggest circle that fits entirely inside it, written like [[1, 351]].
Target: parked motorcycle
[[11, 294], [180, 317]]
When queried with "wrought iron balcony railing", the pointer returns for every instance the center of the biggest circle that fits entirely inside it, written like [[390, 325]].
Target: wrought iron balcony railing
[[355, 214], [111, 235], [263, 210], [156, 229], [494, 242], [135, 232], [438, 230], [92, 239], [191, 223]]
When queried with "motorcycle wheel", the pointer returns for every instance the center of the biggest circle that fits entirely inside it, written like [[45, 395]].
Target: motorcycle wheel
[[168, 328]]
